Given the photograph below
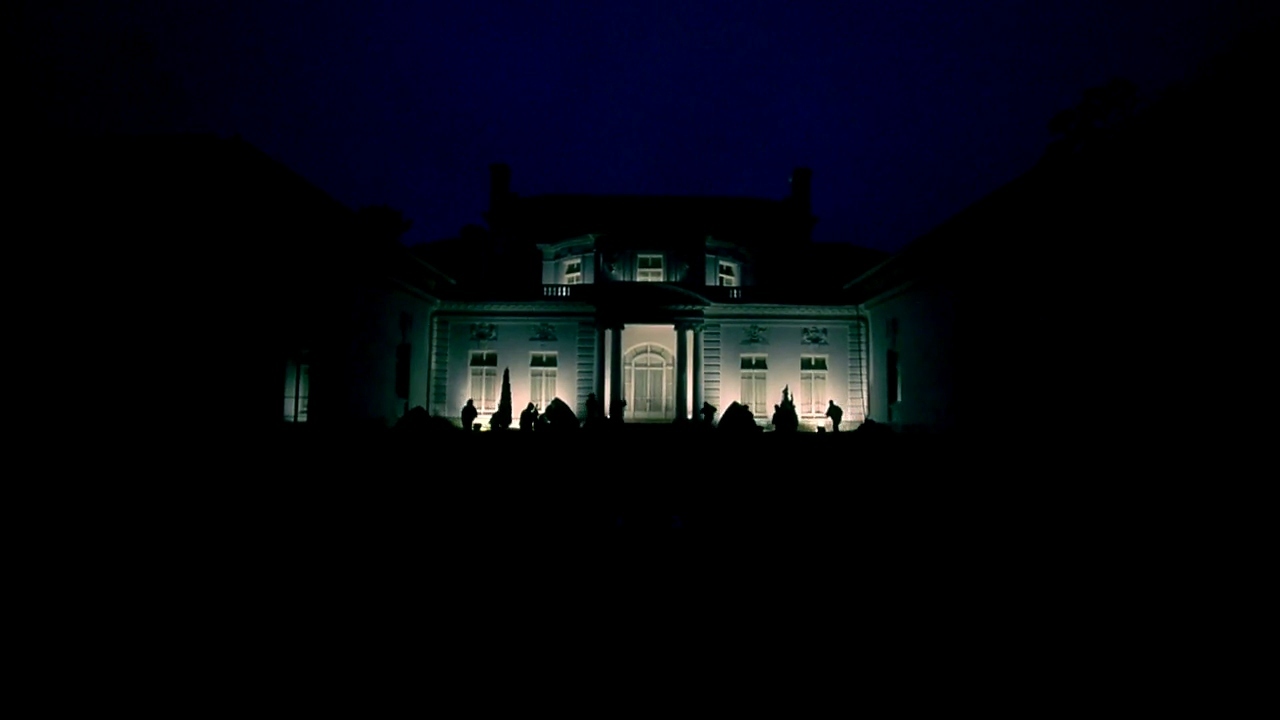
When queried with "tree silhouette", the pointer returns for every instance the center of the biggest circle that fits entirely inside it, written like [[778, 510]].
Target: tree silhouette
[[785, 418], [501, 420]]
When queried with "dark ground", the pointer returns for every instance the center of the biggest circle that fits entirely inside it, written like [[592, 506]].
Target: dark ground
[[262, 562]]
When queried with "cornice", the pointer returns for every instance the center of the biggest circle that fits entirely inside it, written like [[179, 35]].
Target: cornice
[[799, 312], [710, 312], [545, 308]]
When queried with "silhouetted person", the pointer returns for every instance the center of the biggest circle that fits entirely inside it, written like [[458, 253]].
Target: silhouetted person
[[468, 415], [708, 413], [617, 410], [835, 413], [528, 417], [595, 412]]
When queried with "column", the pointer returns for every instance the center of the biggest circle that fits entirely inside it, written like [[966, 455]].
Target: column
[[615, 370], [682, 371], [698, 398]]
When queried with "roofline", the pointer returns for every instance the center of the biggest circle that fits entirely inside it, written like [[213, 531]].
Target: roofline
[[432, 268], [877, 268]]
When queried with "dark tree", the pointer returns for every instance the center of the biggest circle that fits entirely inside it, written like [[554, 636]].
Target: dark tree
[[785, 418], [501, 419]]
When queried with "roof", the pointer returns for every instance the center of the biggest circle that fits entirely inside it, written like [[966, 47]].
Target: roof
[[658, 218]]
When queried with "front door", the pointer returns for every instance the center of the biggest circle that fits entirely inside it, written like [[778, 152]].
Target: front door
[[648, 372]]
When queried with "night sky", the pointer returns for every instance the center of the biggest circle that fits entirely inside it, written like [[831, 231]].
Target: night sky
[[907, 111]]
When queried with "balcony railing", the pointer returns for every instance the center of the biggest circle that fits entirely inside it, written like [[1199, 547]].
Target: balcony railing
[[569, 292], [558, 291]]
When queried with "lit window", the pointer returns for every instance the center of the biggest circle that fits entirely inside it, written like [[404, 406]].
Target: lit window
[[484, 380], [755, 384], [649, 268], [297, 386], [728, 275], [542, 379], [573, 273], [813, 385]]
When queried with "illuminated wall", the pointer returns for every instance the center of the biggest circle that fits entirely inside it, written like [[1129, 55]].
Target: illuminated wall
[[813, 359], [514, 342]]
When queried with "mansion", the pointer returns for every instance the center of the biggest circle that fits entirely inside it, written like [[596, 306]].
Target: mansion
[[656, 305]]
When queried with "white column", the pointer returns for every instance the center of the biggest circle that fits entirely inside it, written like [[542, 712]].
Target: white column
[[682, 371], [615, 370]]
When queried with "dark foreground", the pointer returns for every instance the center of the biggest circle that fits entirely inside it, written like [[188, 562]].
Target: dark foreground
[[316, 556]]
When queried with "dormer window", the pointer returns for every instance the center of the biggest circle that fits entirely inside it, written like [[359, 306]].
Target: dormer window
[[728, 276], [649, 268], [573, 273]]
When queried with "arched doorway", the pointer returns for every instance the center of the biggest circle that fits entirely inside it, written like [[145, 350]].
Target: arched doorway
[[648, 382]]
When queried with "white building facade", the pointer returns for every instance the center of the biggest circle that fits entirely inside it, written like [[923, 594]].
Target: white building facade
[[661, 303]]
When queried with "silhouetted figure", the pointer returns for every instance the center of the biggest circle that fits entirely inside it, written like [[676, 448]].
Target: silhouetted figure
[[468, 415], [617, 410], [595, 413], [835, 413], [708, 413], [528, 417]]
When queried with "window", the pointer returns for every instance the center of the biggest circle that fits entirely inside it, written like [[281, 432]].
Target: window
[[728, 276], [649, 268], [297, 386], [484, 380], [754, 384], [813, 385], [542, 379], [573, 273]]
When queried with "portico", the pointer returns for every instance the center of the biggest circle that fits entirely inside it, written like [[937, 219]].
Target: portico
[[657, 369]]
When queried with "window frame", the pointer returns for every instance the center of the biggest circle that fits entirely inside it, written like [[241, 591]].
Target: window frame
[[486, 372], [816, 407], [297, 390], [661, 269], [754, 367], [734, 273], [544, 372]]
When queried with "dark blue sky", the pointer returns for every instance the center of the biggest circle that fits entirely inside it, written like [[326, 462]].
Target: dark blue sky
[[907, 111]]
